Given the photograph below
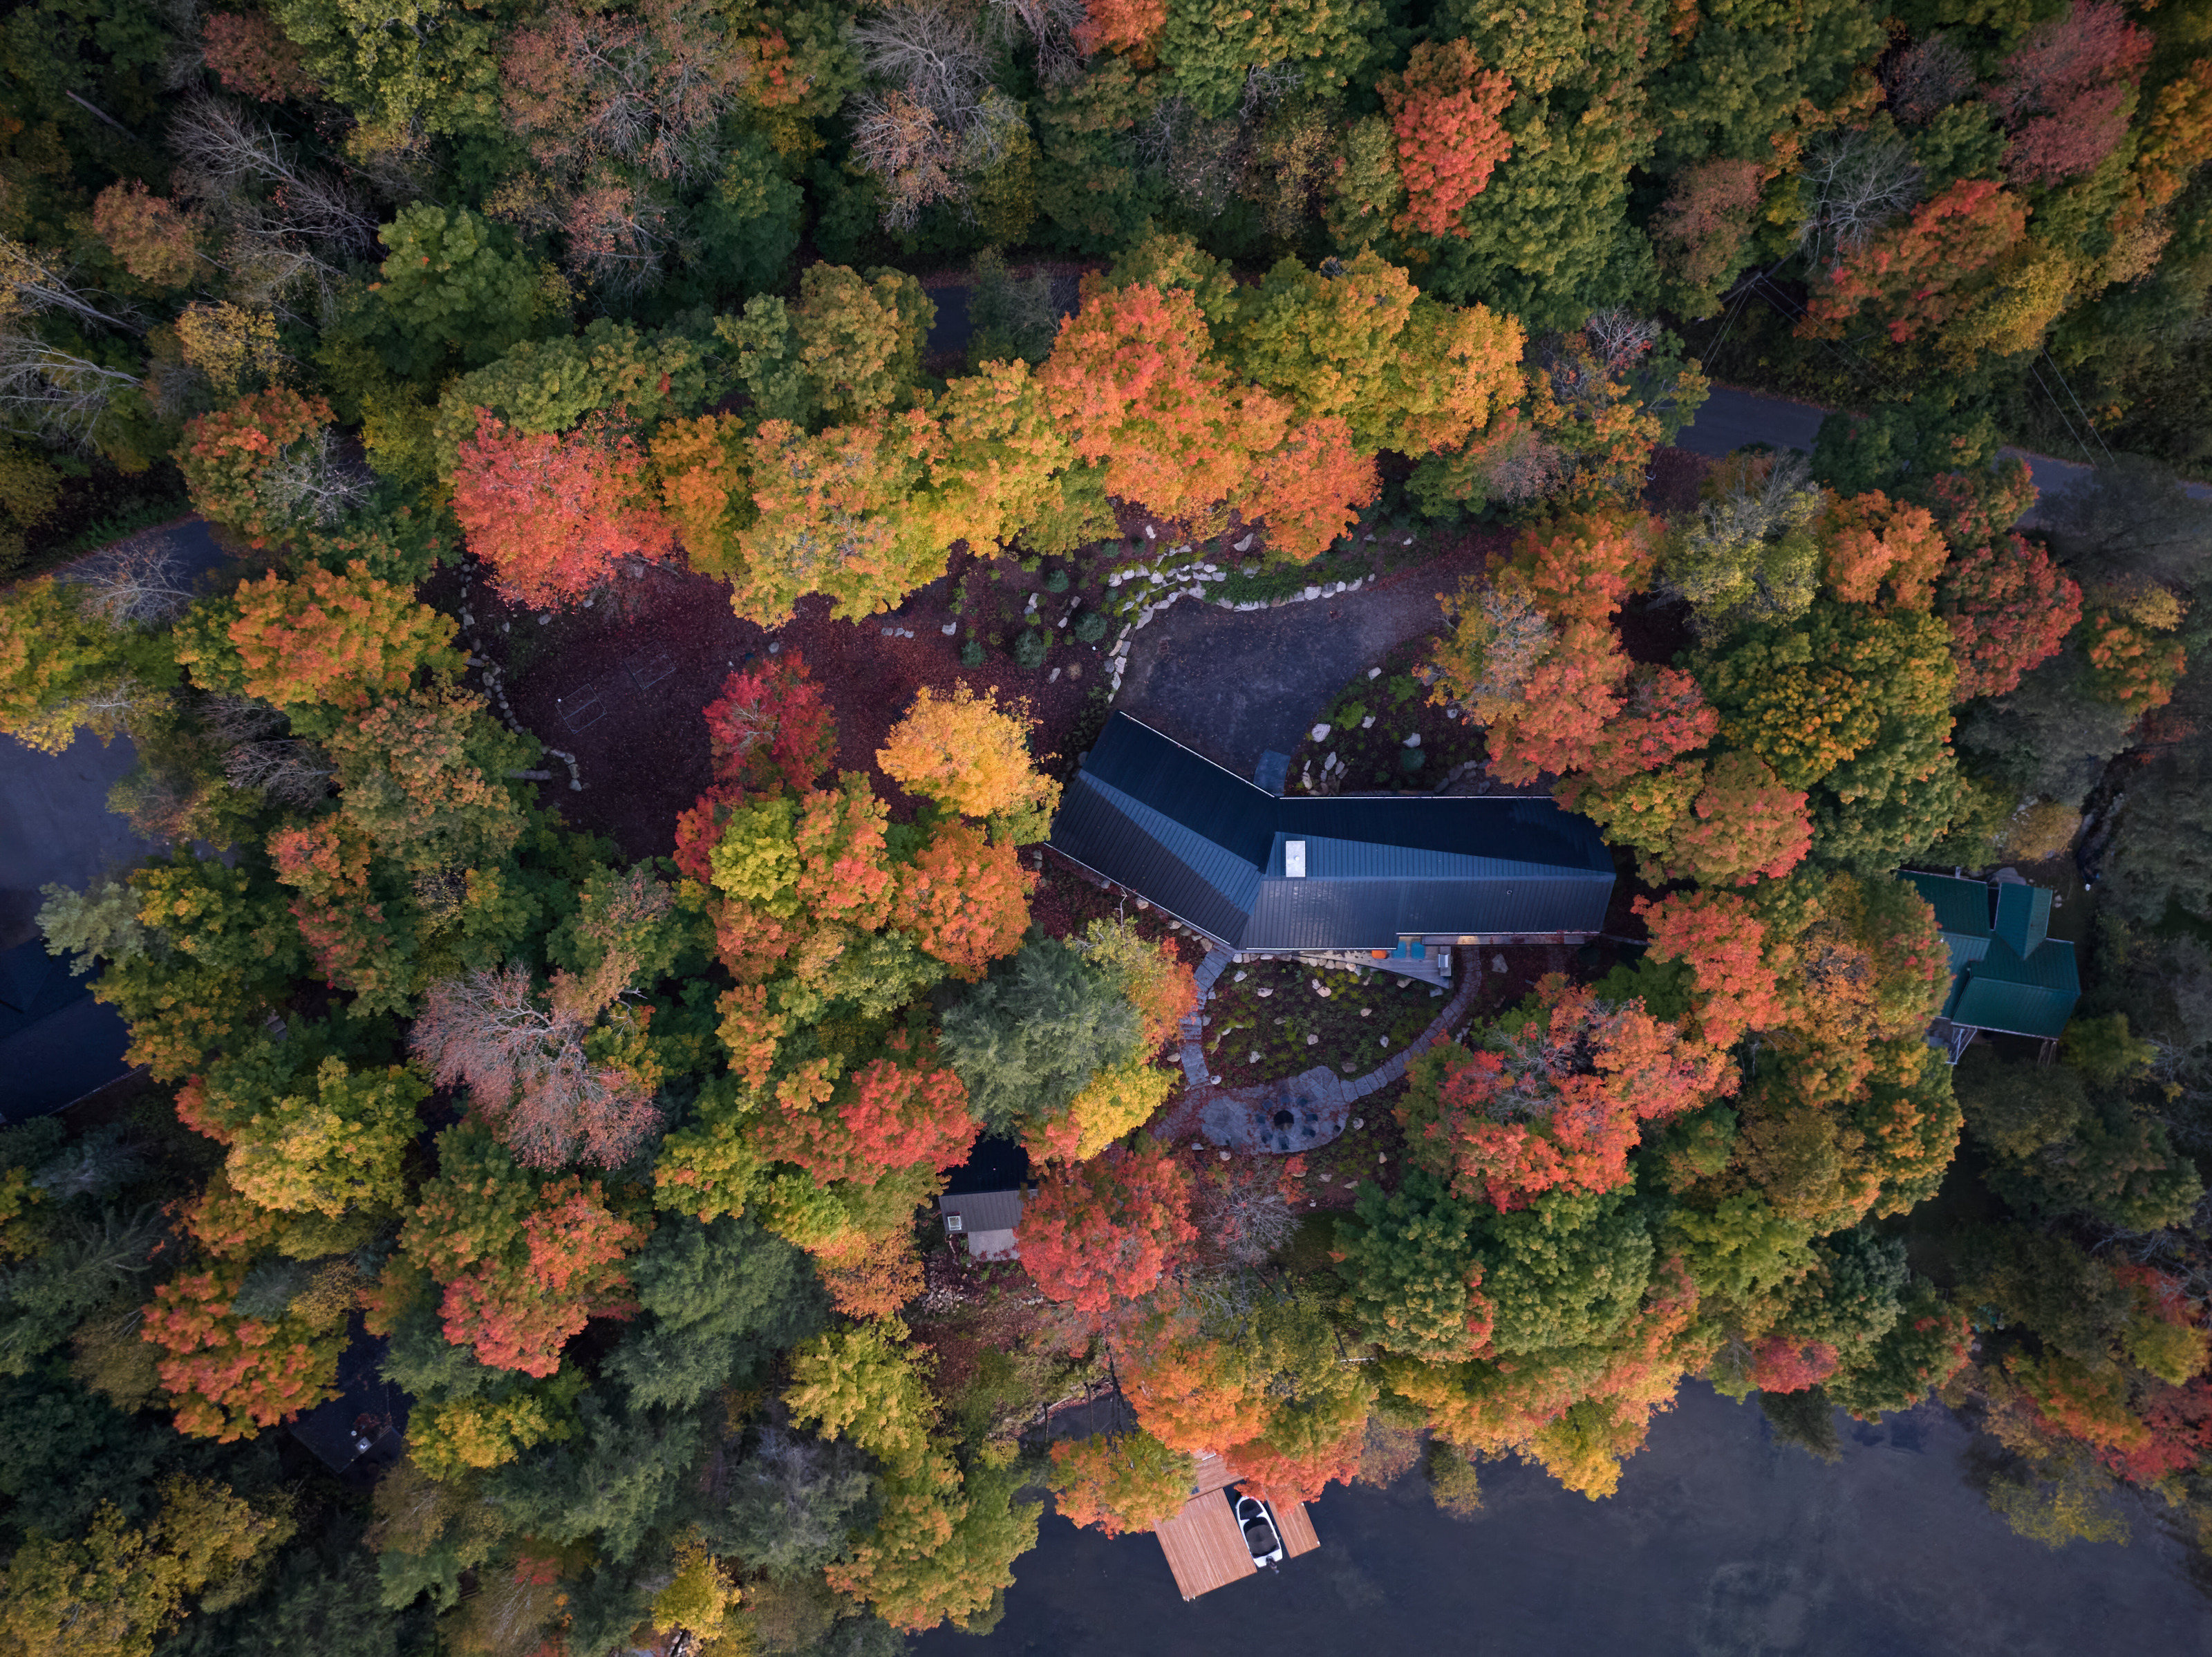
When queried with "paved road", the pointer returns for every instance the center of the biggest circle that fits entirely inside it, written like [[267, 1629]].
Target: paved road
[[1730, 419]]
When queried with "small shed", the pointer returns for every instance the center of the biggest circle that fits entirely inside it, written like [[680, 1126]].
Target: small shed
[[988, 1219]]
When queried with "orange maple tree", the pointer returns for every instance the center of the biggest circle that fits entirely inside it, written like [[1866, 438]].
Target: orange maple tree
[[892, 1113], [964, 900], [1916, 273], [1134, 378], [1444, 111], [326, 639], [1309, 488], [1723, 939], [526, 1262]]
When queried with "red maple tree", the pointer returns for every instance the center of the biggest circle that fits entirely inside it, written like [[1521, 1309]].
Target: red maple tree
[[771, 727], [1782, 1363], [2063, 93], [2008, 606], [354, 945], [552, 514], [525, 1263], [1101, 1232]]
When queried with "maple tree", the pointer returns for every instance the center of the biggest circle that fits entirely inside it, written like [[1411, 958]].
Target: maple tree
[[840, 513], [2064, 91], [325, 640], [885, 1116], [235, 1367], [1445, 109], [1720, 938], [554, 514], [1919, 273], [1555, 1097], [1129, 26], [63, 666], [146, 232], [120, 1588], [1103, 1231], [964, 899], [523, 1263], [243, 464], [328, 1141], [1875, 548], [1706, 219], [1309, 488], [424, 775], [2131, 662], [2009, 608], [1134, 378], [249, 53], [771, 724], [968, 754]]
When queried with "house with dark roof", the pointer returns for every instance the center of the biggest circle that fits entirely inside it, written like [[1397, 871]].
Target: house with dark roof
[[1392, 877], [2008, 976]]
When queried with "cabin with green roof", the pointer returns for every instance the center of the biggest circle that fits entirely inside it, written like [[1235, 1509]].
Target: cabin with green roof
[[2008, 976]]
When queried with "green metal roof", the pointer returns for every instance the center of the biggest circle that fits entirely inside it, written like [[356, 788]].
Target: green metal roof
[[2007, 973], [2023, 918]]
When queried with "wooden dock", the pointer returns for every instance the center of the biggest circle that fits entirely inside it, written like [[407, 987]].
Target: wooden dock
[[1205, 1548]]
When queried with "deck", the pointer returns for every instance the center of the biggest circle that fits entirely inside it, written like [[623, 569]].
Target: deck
[[1205, 1548]]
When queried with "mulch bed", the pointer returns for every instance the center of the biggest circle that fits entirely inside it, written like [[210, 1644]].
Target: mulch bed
[[622, 687], [1370, 720]]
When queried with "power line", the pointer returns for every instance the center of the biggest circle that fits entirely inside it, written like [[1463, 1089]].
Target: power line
[[2085, 421], [2068, 424]]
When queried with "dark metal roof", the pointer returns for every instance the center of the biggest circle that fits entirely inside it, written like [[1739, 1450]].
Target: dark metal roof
[[1207, 847]]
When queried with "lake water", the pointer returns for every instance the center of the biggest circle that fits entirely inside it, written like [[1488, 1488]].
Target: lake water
[[1721, 1543]]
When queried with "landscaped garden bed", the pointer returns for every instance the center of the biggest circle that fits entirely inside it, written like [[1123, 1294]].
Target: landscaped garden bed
[[1381, 732], [1274, 1018]]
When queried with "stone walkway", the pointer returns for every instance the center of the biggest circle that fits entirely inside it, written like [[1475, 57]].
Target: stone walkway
[[1303, 1111]]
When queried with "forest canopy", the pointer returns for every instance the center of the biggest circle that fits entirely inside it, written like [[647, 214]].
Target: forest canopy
[[618, 1162]]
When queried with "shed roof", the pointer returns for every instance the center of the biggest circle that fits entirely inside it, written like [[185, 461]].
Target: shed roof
[[1208, 847], [984, 1210]]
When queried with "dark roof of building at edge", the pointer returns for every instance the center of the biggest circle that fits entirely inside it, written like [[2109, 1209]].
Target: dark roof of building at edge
[[1207, 847]]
